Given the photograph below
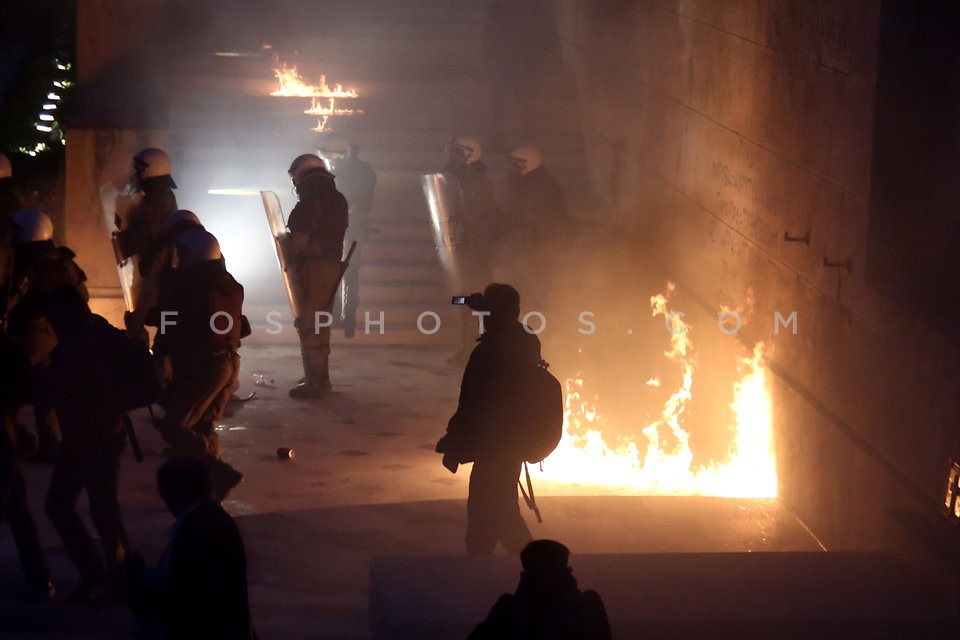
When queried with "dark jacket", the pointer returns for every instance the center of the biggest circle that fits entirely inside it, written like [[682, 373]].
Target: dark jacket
[[356, 180], [196, 293], [199, 587], [14, 368], [322, 214], [81, 383], [144, 222], [546, 609], [536, 204], [483, 423], [483, 224], [9, 204]]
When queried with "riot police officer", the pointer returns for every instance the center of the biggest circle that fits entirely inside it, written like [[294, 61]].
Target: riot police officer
[[314, 248], [355, 179], [200, 323], [481, 227], [143, 226], [39, 266]]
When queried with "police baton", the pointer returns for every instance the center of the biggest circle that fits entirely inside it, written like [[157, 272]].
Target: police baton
[[343, 269], [134, 442]]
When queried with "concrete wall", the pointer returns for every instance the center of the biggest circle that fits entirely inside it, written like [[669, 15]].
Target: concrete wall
[[727, 125], [119, 109]]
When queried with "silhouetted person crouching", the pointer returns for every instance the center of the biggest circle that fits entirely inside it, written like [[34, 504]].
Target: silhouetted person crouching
[[199, 587], [547, 603]]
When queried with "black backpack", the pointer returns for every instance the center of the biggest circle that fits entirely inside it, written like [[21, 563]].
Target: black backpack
[[541, 413], [137, 383]]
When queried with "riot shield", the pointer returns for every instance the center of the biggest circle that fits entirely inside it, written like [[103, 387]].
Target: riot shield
[[447, 213], [278, 229], [108, 202]]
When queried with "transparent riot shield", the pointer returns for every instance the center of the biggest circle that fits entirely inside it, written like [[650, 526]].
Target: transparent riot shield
[[278, 229], [447, 212], [108, 202]]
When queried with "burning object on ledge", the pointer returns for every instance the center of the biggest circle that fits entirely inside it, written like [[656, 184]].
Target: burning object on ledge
[[951, 503]]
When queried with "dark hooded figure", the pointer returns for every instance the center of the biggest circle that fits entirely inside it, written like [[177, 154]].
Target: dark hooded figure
[[14, 369], [483, 427], [9, 204], [198, 590], [547, 603], [81, 384]]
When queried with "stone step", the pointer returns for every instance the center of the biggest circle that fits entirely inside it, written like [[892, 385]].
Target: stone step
[[379, 248], [397, 229], [390, 270]]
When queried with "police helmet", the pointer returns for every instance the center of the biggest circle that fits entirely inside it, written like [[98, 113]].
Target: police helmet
[[302, 165], [526, 159], [196, 246], [31, 225]]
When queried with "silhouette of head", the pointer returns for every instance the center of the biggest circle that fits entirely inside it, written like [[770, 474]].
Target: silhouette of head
[[182, 481], [64, 307], [503, 303], [545, 557]]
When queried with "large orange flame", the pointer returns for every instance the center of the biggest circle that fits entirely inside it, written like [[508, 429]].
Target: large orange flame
[[291, 84], [645, 465]]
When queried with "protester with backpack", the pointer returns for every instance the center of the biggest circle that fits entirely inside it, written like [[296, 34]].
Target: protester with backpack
[[489, 428]]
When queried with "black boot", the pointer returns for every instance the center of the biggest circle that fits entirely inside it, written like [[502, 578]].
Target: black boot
[[315, 384]]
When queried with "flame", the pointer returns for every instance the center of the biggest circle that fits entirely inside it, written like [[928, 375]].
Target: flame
[[291, 84], [330, 109], [317, 108], [647, 465]]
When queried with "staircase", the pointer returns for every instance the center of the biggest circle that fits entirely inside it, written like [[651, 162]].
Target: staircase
[[416, 66]]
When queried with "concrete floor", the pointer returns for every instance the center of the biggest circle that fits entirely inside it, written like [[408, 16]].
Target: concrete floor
[[364, 482]]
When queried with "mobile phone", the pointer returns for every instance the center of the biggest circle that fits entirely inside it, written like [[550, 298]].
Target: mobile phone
[[458, 300]]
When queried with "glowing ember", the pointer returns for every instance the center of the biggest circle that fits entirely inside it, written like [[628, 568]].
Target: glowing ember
[[291, 84], [646, 465]]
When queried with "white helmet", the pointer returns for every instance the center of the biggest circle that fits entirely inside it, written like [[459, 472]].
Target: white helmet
[[333, 146], [196, 246], [526, 159], [303, 164], [31, 225], [5, 169], [467, 147], [179, 216], [150, 163]]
